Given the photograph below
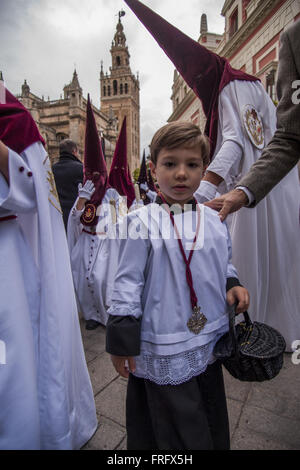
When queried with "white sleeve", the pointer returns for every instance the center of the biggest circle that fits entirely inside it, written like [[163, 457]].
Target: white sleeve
[[231, 270], [130, 279], [74, 227], [205, 192], [19, 195], [227, 163]]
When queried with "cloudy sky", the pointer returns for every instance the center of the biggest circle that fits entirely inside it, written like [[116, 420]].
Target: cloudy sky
[[43, 40]]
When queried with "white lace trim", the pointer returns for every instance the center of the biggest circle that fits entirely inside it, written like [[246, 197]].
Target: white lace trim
[[125, 310], [176, 369]]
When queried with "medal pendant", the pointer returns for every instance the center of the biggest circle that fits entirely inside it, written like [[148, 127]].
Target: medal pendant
[[197, 321]]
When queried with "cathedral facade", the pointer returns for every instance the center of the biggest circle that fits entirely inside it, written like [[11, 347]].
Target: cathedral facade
[[66, 117]]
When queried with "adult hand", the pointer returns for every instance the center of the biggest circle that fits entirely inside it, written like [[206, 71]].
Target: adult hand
[[87, 190], [228, 203]]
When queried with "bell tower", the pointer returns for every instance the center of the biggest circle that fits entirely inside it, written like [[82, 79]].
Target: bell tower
[[120, 94]]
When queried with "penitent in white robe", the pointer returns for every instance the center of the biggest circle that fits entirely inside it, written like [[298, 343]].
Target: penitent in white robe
[[265, 239], [94, 256], [45, 391]]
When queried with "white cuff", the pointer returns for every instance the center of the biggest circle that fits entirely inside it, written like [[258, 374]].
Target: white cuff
[[206, 191], [248, 193]]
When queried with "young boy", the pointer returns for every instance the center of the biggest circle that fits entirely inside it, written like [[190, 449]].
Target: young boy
[[169, 306]]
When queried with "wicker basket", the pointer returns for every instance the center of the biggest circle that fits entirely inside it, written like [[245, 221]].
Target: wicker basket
[[250, 351]]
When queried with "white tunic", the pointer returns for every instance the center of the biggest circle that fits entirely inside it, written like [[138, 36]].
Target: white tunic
[[94, 257], [45, 390], [265, 239], [151, 283]]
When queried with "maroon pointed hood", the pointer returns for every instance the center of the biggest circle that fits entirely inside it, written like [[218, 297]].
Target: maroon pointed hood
[[94, 168], [150, 181], [119, 176], [17, 127], [143, 179], [143, 171], [205, 72]]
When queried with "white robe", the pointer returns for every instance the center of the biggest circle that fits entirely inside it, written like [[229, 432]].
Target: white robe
[[45, 391], [151, 284], [265, 239], [94, 258]]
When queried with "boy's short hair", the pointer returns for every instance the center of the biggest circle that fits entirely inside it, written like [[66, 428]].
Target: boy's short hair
[[180, 134]]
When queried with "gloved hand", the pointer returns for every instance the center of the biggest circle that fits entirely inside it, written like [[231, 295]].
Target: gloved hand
[[87, 190], [144, 186], [151, 195]]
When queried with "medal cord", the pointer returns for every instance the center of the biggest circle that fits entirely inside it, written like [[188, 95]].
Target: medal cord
[[189, 277]]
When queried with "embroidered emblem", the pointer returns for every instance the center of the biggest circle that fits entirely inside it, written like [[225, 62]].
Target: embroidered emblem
[[253, 126], [89, 213], [197, 321], [53, 196]]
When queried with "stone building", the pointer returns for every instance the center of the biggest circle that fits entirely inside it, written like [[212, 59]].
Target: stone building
[[250, 42], [66, 116], [120, 94]]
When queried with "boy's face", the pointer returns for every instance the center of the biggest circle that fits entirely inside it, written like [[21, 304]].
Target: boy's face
[[178, 172]]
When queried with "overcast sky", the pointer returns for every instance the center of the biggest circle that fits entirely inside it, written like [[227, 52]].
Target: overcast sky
[[43, 40]]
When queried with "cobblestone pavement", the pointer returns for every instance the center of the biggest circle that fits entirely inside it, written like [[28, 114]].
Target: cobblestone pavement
[[263, 416]]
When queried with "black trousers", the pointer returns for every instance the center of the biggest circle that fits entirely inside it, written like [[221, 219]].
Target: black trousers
[[189, 416]]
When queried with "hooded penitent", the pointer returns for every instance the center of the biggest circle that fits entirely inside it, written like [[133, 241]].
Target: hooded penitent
[[119, 177], [46, 376], [143, 180], [17, 128], [94, 168], [150, 181], [204, 71]]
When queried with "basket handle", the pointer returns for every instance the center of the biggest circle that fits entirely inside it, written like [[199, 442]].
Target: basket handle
[[232, 330]]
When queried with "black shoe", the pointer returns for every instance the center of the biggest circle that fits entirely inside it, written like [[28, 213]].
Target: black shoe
[[91, 324]]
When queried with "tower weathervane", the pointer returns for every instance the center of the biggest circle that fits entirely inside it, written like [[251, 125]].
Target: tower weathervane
[[121, 13]]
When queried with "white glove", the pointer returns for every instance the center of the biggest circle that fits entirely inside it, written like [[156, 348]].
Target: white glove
[[87, 190], [205, 192], [151, 195], [144, 186]]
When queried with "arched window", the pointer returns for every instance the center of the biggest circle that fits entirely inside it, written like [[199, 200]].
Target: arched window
[[126, 88], [115, 85], [108, 90], [60, 136], [121, 89], [104, 90], [118, 60]]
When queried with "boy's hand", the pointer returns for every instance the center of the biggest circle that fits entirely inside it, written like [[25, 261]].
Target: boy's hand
[[123, 364], [238, 295]]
